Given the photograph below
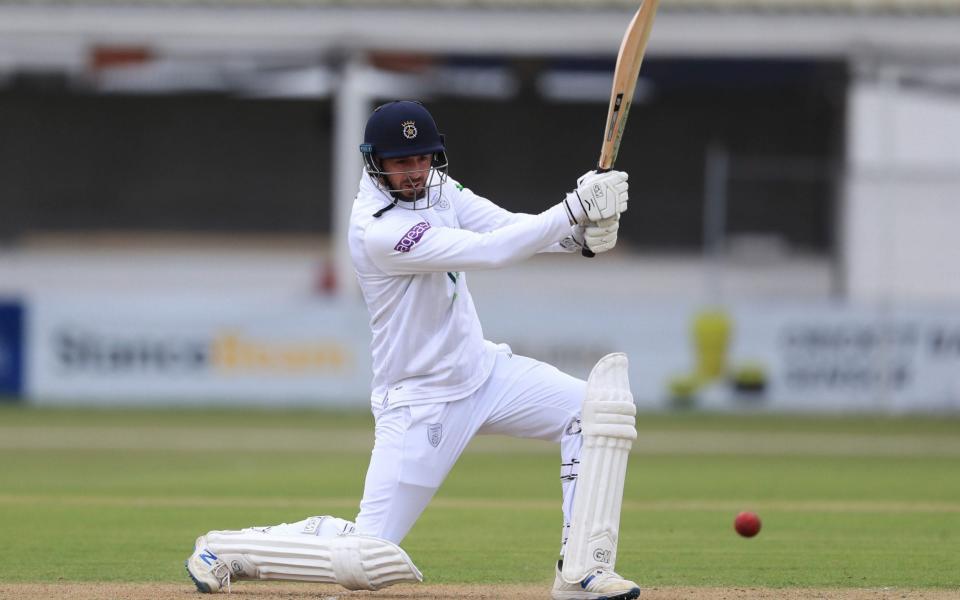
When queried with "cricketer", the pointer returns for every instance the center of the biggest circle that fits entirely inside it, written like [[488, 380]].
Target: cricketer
[[414, 234]]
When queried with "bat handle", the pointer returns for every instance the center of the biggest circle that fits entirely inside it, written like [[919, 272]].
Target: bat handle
[[587, 252]]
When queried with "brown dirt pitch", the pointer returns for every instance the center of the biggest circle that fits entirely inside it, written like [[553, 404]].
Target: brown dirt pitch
[[285, 591]]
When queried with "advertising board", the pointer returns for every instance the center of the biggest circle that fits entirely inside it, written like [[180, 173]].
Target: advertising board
[[11, 350], [777, 357]]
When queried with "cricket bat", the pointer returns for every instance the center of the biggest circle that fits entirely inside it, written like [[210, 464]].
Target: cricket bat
[[632, 49]]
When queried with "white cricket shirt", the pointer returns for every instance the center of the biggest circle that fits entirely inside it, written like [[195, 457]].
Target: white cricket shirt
[[427, 342]]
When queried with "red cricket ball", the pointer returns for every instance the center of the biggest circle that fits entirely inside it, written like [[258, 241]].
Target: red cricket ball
[[747, 524]]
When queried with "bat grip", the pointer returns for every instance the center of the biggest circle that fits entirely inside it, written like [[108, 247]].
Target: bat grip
[[587, 252]]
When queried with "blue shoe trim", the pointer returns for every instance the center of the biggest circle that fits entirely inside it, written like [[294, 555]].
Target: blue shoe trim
[[208, 557], [586, 581], [631, 595]]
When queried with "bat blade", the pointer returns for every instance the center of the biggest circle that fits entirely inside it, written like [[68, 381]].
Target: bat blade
[[632, 49]]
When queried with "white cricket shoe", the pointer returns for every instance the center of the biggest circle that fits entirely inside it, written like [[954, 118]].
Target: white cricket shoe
[[208, 572], [598, 585]]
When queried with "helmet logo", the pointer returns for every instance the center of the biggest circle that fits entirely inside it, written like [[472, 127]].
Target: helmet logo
[[409, 129]]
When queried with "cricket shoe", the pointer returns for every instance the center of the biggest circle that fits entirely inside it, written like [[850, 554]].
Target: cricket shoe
[[208, 572], [597, 585]]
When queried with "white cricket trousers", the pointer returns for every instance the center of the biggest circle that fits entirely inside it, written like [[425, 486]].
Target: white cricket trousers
[[416, 446]]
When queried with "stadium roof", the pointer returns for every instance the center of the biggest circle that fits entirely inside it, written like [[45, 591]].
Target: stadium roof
[[906, 7], [59, 34]]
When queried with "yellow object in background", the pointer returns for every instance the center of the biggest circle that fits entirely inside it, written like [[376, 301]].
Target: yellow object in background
[[712, 330]]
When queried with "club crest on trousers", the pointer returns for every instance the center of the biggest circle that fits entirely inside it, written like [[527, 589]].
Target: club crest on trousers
[[434, 433]]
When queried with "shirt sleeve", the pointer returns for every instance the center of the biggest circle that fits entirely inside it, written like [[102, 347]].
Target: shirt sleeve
[[476, 213], [401, 247]]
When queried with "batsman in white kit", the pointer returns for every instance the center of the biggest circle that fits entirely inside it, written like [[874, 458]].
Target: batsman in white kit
[[414, 233]]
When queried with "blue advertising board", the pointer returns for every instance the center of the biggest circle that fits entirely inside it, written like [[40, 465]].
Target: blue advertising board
[[11, 350]]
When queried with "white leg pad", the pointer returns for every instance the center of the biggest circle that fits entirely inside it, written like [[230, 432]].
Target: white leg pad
[[608, 421], [357, 562]]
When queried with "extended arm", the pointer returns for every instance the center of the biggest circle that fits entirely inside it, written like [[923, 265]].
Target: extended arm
[[476, 213], [407, 248]]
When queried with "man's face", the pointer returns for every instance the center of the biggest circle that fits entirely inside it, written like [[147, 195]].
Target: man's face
[[408, 174]]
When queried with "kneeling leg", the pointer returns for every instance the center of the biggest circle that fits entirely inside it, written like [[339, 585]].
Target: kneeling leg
[[321, 549]]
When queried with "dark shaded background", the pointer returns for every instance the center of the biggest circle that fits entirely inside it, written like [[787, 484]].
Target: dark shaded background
[[214, 163]]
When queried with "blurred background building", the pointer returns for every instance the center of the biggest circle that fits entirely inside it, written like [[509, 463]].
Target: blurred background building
[[177, 177]]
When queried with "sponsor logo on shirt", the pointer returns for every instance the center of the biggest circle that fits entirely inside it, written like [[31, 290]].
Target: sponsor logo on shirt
[[411, 238]]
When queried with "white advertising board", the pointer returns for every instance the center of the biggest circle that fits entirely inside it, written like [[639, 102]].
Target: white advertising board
[[130, 350], [824, 358]]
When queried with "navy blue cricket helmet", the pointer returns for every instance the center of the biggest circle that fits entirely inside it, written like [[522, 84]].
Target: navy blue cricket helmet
[[404, 128]]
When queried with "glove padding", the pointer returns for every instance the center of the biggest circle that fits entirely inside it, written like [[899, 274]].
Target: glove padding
[[599, 196], [598, 237]]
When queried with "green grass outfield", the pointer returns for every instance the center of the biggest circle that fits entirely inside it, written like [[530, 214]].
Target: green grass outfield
[[110, 495]]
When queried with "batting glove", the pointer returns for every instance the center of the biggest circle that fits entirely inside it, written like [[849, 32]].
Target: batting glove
[[598, 196], [598, 237]]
